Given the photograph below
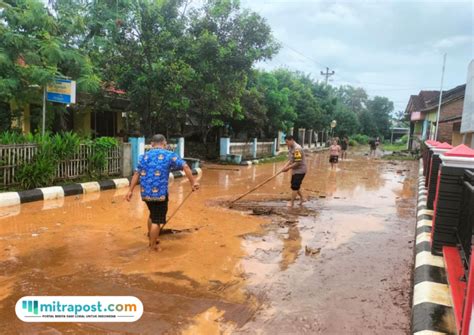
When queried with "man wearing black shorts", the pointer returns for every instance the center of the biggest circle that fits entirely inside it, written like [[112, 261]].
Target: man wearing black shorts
[[297, 164], [344, 146], [153, 171]]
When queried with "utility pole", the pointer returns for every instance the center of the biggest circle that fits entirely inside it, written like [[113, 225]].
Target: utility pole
[[43, 123], [327, 74], [440, 99]]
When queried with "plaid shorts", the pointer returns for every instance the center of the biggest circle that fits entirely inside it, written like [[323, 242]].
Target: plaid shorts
[[158, 211]]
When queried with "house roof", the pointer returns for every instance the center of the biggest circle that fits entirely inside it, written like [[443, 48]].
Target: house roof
[[427, 96], [428, 100], [419, 102], [449, 95]]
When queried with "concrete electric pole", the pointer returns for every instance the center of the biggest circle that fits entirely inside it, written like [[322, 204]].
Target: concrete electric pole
[[327, 74]]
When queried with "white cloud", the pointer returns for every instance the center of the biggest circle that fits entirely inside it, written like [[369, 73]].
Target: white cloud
[[392, 48], [336, 13], [326, 47], [453, 41]]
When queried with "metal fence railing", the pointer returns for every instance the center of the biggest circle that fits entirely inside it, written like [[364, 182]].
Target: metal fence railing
[[13, 156]]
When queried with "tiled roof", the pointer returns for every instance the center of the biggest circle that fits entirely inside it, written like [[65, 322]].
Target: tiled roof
[[427, 100], [419, 102], [428, 96], [454, 93]]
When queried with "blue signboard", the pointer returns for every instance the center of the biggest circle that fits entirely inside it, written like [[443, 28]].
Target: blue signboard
[[62, 91]]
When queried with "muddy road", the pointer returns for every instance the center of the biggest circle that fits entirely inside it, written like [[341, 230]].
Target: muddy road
[[339, 265]]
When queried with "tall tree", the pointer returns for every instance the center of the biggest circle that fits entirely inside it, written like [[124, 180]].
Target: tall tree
[[355, 98], [380, 109], [34, 49], [347, 121], [137, 44], [224, 43], [280, 112]]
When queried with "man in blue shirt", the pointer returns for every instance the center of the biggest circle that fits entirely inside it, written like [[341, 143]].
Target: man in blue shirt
[[153, 171]]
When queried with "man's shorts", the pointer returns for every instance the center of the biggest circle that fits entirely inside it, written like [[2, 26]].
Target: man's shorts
[[158, 211], [333, 159], [296, 181]]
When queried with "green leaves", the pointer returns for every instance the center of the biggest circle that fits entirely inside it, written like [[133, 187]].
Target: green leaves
[[38, 46], [179, 68]]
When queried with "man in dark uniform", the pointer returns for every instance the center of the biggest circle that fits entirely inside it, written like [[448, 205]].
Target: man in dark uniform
[[297, 164], [153, 171]]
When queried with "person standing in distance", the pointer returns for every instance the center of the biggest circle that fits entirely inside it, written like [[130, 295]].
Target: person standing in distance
[[153, 171], [334, 153], [344, 147], [297, 164]]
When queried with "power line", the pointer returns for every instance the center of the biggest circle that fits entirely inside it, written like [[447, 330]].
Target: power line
[[353, 81]]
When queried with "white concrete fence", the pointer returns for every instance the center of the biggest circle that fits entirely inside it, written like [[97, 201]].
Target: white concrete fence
[[247, 149]]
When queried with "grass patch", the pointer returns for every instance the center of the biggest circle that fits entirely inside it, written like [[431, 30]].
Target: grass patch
[[394, 147], [398, 158]]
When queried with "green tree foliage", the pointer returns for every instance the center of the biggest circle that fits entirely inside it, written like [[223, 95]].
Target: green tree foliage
[[280, 112], [347, 121], [185, 69], [301, 98], [225, 42], [380, 109], [35, 48], [355, 98]]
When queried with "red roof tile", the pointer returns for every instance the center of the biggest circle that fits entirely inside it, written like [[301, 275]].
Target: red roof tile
[[444, 145], [461, 150]]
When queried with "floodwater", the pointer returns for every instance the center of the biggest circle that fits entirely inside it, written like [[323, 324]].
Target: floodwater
[[339, 265]]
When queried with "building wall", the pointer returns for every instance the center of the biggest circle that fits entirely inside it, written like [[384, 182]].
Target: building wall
[[418, 128], [445, 132], [120, 122], [457, 136], [82, 122], [23, 121], [26, 119], [452, 109], [431, 116], [468, 139], [450, 130]]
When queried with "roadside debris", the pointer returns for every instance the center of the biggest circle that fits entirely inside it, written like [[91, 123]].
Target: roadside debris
[[311, 251]]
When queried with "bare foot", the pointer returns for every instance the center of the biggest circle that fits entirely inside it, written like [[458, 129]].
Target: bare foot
[[157, 242], [155, 248]]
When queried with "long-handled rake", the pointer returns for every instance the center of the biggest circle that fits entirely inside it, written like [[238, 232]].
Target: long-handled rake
[[253, 189]]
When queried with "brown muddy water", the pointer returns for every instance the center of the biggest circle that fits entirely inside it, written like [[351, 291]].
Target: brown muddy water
[[339, 265]]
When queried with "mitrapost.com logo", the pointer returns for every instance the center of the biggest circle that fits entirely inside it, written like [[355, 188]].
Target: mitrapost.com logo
[[79, 309]]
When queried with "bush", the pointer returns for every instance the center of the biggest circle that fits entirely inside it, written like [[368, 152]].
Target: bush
[[37, 173], [403, 139], [98, 158], [41, 170], [352, 143], [360, 139]]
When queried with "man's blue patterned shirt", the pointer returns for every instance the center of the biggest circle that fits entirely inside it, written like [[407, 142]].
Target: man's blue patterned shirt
[[154, 168]]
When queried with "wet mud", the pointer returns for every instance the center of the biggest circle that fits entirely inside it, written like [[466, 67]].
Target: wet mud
[[340, 264]]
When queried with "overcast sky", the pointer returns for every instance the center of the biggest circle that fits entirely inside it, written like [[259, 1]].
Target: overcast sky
[[390, 48]]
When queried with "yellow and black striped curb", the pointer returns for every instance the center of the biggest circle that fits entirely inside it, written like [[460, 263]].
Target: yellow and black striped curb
[[432, 311], [57, 192]]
